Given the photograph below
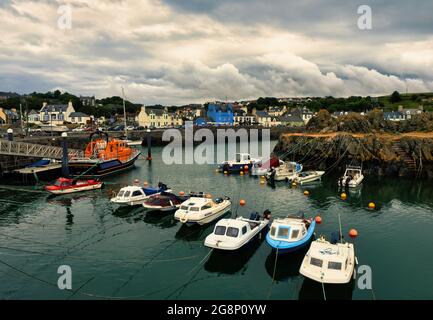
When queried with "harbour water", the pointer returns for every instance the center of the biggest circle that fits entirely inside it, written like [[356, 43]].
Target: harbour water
[[133, 254]]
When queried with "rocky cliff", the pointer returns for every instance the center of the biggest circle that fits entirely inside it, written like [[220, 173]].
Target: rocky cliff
[[380, 154]]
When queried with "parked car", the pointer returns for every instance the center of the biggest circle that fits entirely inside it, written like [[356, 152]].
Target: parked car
[[139, 128]]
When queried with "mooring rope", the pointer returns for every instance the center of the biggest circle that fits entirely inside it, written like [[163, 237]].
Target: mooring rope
[[273, 274]]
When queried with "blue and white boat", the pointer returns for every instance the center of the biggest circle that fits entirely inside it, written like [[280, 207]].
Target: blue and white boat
[[136, 195], [237, 165], [290, 234]]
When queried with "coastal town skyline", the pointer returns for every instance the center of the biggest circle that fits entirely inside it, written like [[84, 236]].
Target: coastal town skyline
[[178, 52]]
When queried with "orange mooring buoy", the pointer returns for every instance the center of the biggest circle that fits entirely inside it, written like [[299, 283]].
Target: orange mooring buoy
[[318, 219], [353, 233], [242, 202]]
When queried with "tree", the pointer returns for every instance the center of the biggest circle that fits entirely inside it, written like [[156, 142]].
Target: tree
[[395, 97]]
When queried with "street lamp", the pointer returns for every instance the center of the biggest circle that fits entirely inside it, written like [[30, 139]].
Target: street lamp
[[149, 145]]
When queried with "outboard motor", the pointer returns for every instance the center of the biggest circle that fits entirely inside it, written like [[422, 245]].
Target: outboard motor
[[255, 216], [219, 200], [335, 237]]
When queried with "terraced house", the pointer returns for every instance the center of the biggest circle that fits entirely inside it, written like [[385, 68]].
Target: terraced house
[[158, 118]]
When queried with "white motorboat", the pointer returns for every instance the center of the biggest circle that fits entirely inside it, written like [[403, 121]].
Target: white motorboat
[[242, 161], [232, 234], [136, 195], [286, 172], [308, 176], [327, 262], [199, 210], [261, 168], [352, 177]]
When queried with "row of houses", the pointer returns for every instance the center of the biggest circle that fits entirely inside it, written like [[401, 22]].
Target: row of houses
[[57, 114]]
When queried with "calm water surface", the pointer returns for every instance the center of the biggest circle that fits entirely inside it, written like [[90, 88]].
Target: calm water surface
[[134, 254]]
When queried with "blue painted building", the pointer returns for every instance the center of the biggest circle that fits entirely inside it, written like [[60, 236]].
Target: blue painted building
[[200, 122], [220, 114]]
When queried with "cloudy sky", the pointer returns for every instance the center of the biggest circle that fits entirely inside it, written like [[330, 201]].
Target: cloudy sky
[[181, 51]]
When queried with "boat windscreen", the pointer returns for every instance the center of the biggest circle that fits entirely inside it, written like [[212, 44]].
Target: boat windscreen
[[232, 232], [220, 230], [127, 193], [273, 231], [295, 234], [283, 232], [121, 192], [334, 265], [316, 262], [184, 208], [194, 209]]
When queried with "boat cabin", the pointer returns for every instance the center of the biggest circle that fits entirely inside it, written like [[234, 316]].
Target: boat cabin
[[242, 157], [288, 229], [235, 228], [131, 192], [107, 150], [353, 172], [194, 204], [329, 262]]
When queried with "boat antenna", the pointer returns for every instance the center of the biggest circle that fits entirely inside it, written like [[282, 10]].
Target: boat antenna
[[339, 223], [124, 113]]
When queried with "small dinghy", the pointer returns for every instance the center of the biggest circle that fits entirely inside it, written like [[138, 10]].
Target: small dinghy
[[286, 172], [165, 201], [242, 161], [232, 234], [136, 195], [290, 234], [352, 177], [308, 176], [65, 185], [327, 262], [261, 168], [202, 210]]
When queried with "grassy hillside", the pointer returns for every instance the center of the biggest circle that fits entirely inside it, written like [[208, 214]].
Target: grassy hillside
[[409, 101]]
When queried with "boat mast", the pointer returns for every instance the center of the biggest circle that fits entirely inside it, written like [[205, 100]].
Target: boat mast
[[124, 113]]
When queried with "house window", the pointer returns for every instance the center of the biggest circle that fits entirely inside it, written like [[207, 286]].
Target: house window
[[61, 116], [72, 119], [79, 119], [53, 117]]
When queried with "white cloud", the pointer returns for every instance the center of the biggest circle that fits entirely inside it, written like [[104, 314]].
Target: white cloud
[[164, 55]]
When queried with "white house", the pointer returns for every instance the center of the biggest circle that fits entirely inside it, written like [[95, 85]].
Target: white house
[[34, 117], [79, 118], [56, 114]]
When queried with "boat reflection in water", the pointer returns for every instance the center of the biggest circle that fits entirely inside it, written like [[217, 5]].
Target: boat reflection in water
[[194, 232], [160, 219], [312, 290], [67, 200], [231, 262], [287, 265]]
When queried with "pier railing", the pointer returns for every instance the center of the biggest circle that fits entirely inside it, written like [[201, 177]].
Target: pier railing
[[23, 149]]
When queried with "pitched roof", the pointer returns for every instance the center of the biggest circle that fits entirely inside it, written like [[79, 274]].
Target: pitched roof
[[33, 111], [262, 114], [55, 108], [158, 112], [78, 114], [291, 118]]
